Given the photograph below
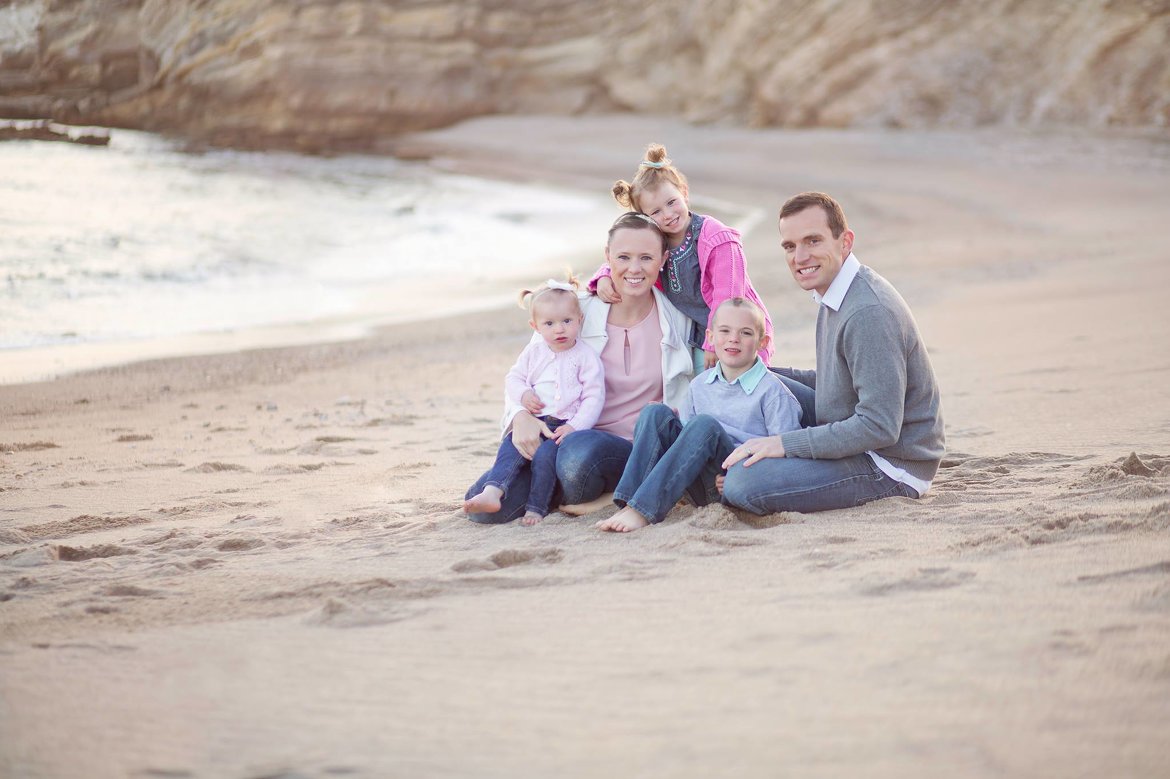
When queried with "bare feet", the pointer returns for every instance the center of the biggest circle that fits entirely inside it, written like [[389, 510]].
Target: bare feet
[[486, 502], [531, 518], [623, 522], [579, 509]]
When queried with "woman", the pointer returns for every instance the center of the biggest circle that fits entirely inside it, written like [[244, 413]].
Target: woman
[[642, 340]]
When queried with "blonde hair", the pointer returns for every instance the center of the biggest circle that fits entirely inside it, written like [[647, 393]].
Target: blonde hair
[[756, 312], [654, 170], [528, 297]]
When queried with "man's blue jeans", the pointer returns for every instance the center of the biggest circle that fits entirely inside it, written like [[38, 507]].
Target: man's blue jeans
[[803, 485], [670, 459], [588, 464]]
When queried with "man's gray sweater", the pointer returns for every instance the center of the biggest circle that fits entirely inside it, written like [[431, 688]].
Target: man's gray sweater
[[875, 387]]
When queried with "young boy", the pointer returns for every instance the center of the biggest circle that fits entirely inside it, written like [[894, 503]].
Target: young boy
[[728, 404]]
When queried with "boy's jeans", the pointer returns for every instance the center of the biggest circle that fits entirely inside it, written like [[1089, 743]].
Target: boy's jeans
[[670, 459]]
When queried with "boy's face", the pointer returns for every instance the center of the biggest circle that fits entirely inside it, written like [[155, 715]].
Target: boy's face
[[736, 338], [557, 317]]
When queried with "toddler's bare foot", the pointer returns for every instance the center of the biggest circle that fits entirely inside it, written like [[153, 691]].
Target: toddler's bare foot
[[623, 522], [531, 518], [486, 502], [580, 509]]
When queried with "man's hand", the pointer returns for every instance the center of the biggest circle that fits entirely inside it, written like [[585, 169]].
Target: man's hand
[[526, 432], [532, 403], [754, 450], [606, 291], [719, 482], [709, 360], [559, 434]]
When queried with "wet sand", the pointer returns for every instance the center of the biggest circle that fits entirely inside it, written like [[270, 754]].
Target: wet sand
[[254, 565]]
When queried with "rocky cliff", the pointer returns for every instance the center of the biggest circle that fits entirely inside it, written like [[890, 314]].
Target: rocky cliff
[[320, 75]]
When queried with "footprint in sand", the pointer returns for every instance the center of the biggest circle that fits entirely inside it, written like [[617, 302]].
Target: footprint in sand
[[509, 558], [337, 613], [241, 544], [1157, 569], [29, 446], [923, 580], [129, 591], [397, 420], [328, 445], [217, 467], [74, 554], [83, 523]]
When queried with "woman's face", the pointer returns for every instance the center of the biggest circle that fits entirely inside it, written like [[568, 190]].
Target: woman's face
[[635, 257]]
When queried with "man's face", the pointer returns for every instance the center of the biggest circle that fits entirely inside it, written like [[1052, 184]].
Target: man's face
[[814, 256]]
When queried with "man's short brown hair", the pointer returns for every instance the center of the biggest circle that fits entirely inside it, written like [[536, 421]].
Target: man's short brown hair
[[833, 210]]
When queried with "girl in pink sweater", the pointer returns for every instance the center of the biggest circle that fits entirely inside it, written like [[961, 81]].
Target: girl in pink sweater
[[706, 264], [557, 379]]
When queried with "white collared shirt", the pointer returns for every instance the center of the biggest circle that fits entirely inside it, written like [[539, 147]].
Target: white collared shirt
[[833, 298]]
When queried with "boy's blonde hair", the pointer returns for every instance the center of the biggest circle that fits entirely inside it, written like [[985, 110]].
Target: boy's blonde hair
[[738, 302], [568, 287], [654, 170]]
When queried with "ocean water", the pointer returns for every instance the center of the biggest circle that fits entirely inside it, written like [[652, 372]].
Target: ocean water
[[140, 241]]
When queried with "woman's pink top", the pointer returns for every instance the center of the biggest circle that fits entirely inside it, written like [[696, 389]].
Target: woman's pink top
[[632, 358]]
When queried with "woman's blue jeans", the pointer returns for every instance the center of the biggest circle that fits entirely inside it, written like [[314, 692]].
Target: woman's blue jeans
[[589, 463]]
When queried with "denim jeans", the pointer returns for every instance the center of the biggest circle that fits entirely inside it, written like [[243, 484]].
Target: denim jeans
[[806, 396], [588, 463], [542, 476], [804, 485], [670, 459]]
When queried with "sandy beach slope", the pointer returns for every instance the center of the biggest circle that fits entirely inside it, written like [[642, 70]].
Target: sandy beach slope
[[253, 564]]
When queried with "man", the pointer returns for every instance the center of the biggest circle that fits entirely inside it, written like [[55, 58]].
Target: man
[[878, 430]]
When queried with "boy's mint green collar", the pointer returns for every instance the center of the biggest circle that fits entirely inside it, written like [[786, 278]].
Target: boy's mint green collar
[[748, 380]]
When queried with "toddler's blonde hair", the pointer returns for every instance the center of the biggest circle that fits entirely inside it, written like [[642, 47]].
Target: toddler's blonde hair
[[528, 297]]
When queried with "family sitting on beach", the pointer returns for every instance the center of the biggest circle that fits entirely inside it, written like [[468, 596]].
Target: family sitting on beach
[[605, 399]]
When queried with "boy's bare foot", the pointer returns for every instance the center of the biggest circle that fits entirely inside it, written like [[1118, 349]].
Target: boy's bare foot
[[579, 509], [486, 502], [623, 522], [531, 518]]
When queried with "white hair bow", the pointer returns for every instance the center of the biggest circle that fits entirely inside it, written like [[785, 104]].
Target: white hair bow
[[553, 284]]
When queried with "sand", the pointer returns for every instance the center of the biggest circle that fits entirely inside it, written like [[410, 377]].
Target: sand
[[254, 565]]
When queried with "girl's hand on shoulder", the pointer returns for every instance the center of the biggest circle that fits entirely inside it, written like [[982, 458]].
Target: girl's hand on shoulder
[[709, 360], [606, 291], [526, 433], [754, 450], [531, 402], [559, 434]]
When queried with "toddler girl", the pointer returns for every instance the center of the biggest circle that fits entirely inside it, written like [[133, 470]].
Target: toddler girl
[[559, 380]]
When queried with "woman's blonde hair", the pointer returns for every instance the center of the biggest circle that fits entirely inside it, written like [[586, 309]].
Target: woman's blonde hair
[[654, 170], [570, 286]]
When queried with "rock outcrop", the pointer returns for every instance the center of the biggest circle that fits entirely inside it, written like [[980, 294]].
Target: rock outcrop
[[323, 75]]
